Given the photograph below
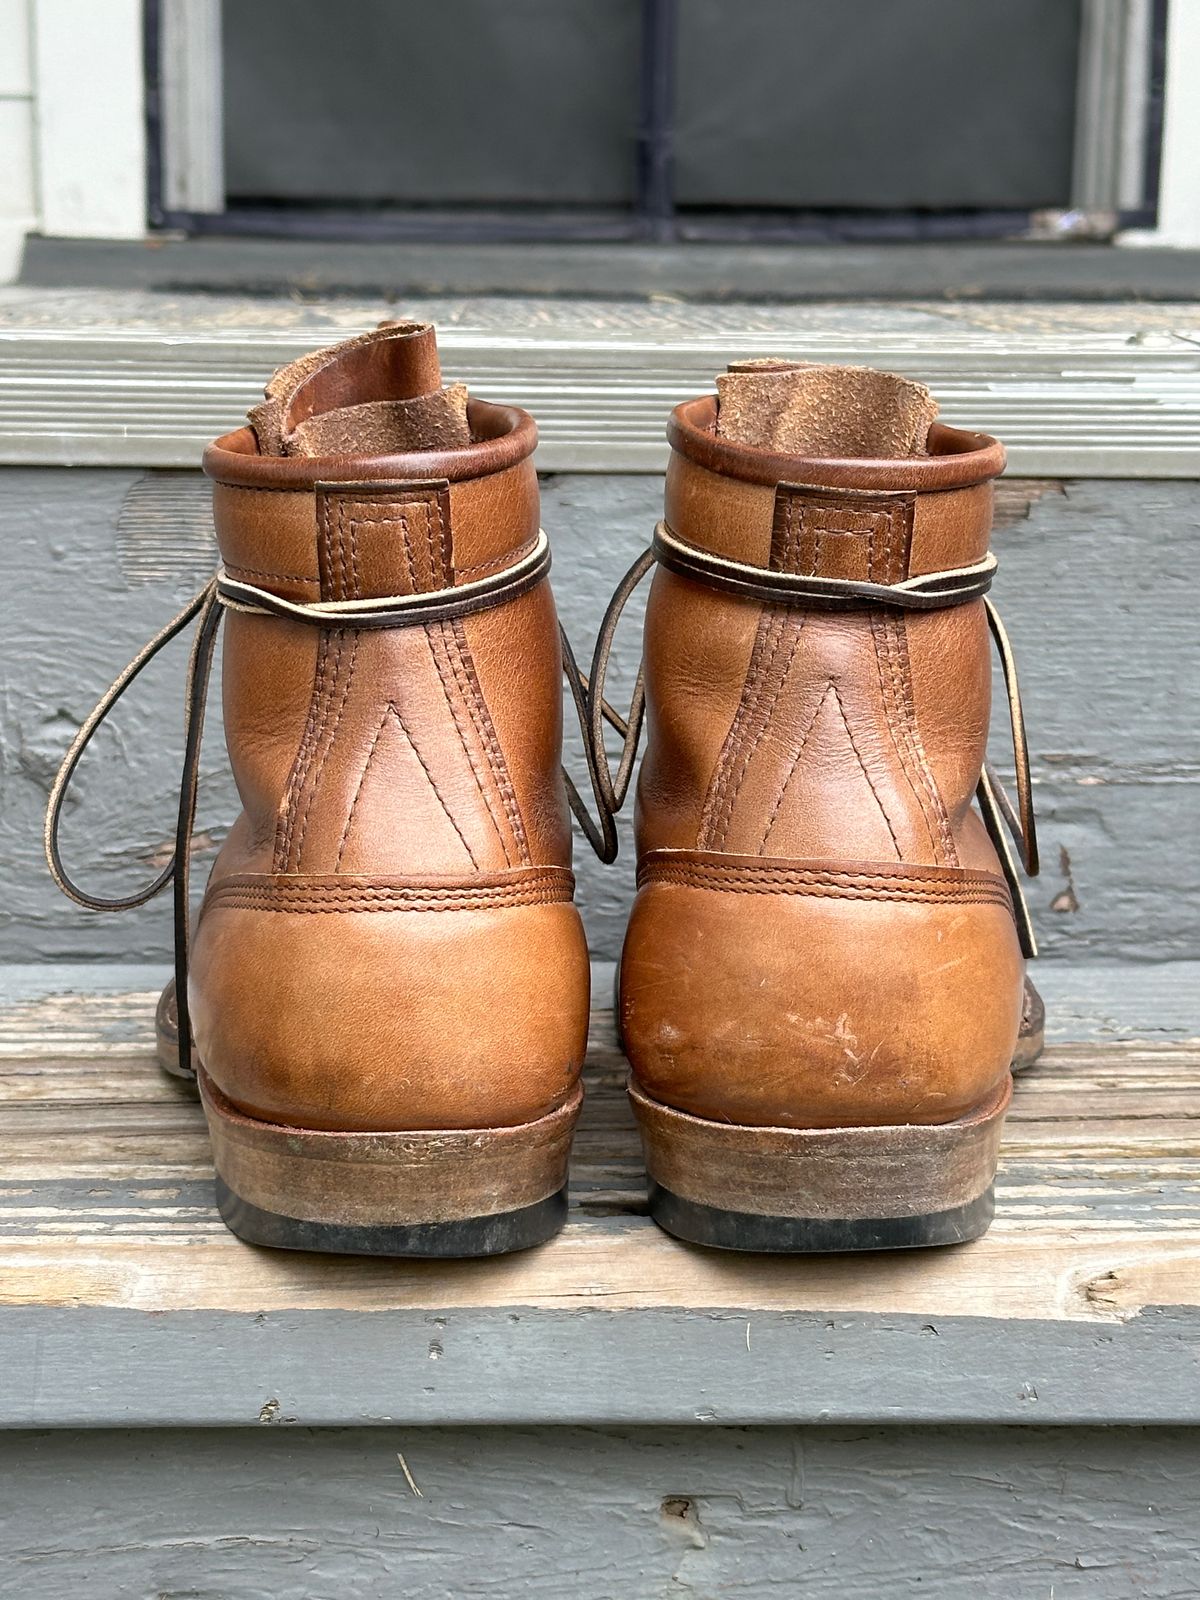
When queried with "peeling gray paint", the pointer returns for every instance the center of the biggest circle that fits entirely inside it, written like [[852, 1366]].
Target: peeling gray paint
[[823, 1513]]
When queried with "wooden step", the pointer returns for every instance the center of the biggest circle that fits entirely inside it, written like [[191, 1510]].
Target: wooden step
[[126, 1302], [119, 378]]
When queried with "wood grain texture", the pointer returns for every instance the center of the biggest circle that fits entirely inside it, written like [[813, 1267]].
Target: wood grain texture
[[125, 1302], [1094, 587], [1098, 1198], [111, 378], [288, 1513]]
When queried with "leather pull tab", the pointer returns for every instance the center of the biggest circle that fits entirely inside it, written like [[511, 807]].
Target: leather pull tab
[[375, 394]]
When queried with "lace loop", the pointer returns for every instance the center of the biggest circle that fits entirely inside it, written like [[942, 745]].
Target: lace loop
[[397, 610], [87, 731]]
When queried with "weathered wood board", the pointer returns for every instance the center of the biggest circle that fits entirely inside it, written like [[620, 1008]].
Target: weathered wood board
[[288, 1513], [110, 378], [126, 1302], [1095, 586]]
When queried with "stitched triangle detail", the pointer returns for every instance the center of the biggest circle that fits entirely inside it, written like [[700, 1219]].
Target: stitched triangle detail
[[830, 694], [393, 718]]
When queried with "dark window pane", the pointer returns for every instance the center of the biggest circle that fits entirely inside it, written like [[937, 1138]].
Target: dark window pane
[[872, 103], [455, 101]]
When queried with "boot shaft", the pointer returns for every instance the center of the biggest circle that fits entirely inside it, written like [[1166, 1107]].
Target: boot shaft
[[431, 749], [808, 733]]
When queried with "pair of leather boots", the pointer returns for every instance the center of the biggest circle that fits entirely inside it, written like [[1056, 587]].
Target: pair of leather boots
[[384, 998]]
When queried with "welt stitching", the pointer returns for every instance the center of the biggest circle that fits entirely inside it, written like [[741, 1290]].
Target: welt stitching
[[865, 773], [795, 762]]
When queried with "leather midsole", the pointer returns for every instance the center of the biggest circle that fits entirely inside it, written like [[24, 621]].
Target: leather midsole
[[909, 1169], [365, 1179]]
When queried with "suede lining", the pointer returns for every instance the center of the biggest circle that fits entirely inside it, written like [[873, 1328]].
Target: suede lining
[[416, 412], [824, 411]]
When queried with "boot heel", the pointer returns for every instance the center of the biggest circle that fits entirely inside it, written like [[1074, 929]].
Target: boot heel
[[461, 1192], [816, 1190]]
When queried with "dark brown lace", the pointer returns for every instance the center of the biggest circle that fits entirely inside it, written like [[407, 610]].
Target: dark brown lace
[[930, 591]]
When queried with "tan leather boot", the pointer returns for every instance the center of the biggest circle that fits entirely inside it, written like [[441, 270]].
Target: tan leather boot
[[821, 988], [387, 983]]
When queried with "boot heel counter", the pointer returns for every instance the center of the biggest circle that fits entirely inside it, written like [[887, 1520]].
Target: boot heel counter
[[819, 997], [426, 1011]]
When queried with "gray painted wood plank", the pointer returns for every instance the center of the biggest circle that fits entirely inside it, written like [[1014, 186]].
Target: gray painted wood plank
[[851, 1513], [105, 1368], [895, 270]]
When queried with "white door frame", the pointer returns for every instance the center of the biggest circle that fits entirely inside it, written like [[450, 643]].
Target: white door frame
[[1179, 174], [89, 118]]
